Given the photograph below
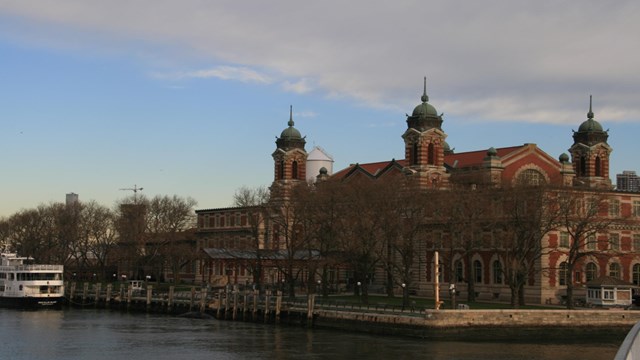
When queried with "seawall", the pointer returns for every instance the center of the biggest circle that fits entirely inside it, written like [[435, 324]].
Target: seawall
[[577, 325]]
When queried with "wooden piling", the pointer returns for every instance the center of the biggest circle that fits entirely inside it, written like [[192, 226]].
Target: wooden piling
[[266, 305], [85, 291], [311, 303], [227, 303], [203, 298], [149, 294], [256, 293], [170, 301], [278, 305], [192, 299], [107, 298], [72, 292], [98, 290], [235, 303], [244, 305], [129, 296]]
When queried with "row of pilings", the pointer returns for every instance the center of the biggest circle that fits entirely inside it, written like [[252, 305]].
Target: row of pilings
[[229, 303]]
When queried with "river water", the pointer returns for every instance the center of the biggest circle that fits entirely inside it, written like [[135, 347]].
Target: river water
[[103, 334]]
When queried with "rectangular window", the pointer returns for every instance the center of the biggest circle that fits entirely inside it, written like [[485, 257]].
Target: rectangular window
[[607, 294], [614, 207], [636, 242], [614, 241], [591, 242], [564, 240]]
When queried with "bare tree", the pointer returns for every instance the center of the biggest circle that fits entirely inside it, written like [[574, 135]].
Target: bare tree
[[98, 235], [360, 233], [529, 214], [255, 201], [168, 218], [583, 215]]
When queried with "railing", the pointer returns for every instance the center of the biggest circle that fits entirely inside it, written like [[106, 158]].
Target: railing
[[630, 348], [36, 267], [351, 306]]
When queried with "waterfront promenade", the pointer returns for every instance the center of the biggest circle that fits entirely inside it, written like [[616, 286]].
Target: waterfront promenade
[[311, 311]]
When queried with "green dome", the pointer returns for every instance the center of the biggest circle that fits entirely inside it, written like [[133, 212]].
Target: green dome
[[290, 133], [290, 138], [424, 109], [564, 158], [590, 125]]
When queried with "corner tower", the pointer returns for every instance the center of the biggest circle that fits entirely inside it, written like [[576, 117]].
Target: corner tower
[[425, 146], [290, 161], [590, 153]]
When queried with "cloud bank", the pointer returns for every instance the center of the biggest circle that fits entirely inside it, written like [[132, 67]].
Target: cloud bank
[[498, 60]]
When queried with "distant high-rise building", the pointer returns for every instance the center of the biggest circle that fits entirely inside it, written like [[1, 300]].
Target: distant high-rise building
[[72, 198], [628, 181]]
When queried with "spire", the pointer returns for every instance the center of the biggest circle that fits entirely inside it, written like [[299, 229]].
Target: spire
[[290, 123], [590, 113], [424, 97]]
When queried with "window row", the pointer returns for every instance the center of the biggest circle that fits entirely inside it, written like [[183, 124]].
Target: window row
[[477, 271], [613, 270], [612, 242], [225, 220]]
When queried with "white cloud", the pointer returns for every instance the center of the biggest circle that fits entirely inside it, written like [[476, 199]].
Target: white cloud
[[305, 114], [242, 74], [496, 59], [301, 86]]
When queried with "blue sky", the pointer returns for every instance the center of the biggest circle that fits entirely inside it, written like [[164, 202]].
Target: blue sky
[[188, 97]]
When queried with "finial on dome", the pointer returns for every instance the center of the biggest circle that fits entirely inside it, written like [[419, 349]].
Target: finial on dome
[[424, 97], [290, 123], [590, 113]]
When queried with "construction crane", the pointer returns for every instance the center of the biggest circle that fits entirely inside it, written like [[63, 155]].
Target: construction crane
[[135, 190]]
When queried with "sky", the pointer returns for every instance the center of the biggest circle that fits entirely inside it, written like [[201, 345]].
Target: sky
[[187, 97]]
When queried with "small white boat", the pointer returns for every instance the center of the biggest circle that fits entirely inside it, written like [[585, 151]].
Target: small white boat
[[27, 285]]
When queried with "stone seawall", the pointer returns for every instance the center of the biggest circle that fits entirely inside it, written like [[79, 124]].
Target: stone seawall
[[577, 325]]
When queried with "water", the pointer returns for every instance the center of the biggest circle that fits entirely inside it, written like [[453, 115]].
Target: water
[[101, 334]]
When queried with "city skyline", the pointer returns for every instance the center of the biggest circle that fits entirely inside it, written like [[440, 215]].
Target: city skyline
[[188, 98]]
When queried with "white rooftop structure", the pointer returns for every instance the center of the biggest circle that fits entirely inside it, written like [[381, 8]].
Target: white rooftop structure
[[316, 160]]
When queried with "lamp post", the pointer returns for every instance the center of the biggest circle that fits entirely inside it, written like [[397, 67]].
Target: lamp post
[[359, 291], [404, 288], [452, 290]]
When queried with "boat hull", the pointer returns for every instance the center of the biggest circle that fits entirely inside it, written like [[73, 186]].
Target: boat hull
[[31, 302]]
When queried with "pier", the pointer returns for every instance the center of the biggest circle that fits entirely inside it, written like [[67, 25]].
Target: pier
[[233, 304]]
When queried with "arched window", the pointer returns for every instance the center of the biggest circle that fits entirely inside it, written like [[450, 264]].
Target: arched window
[[477, 271], [294, 170], [414, 153], [497, 272], [563, 274], [598, 166], [583, 166], [459, 271], [614, 270], [431, 156], [591, 272], [281, 170], [531, 177], [636, 274]]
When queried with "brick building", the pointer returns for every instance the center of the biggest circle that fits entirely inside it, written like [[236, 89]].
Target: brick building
[[610, 250]]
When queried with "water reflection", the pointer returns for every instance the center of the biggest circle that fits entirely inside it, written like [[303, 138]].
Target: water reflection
[[89, 334]]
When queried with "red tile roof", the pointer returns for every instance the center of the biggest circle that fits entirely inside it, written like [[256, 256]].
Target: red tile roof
[[459, 160]]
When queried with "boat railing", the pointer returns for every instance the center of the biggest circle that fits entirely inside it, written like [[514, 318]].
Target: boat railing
[[630, 348], [35, 267]]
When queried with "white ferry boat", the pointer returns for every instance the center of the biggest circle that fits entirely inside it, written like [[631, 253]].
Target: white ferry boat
[[27, 285]]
